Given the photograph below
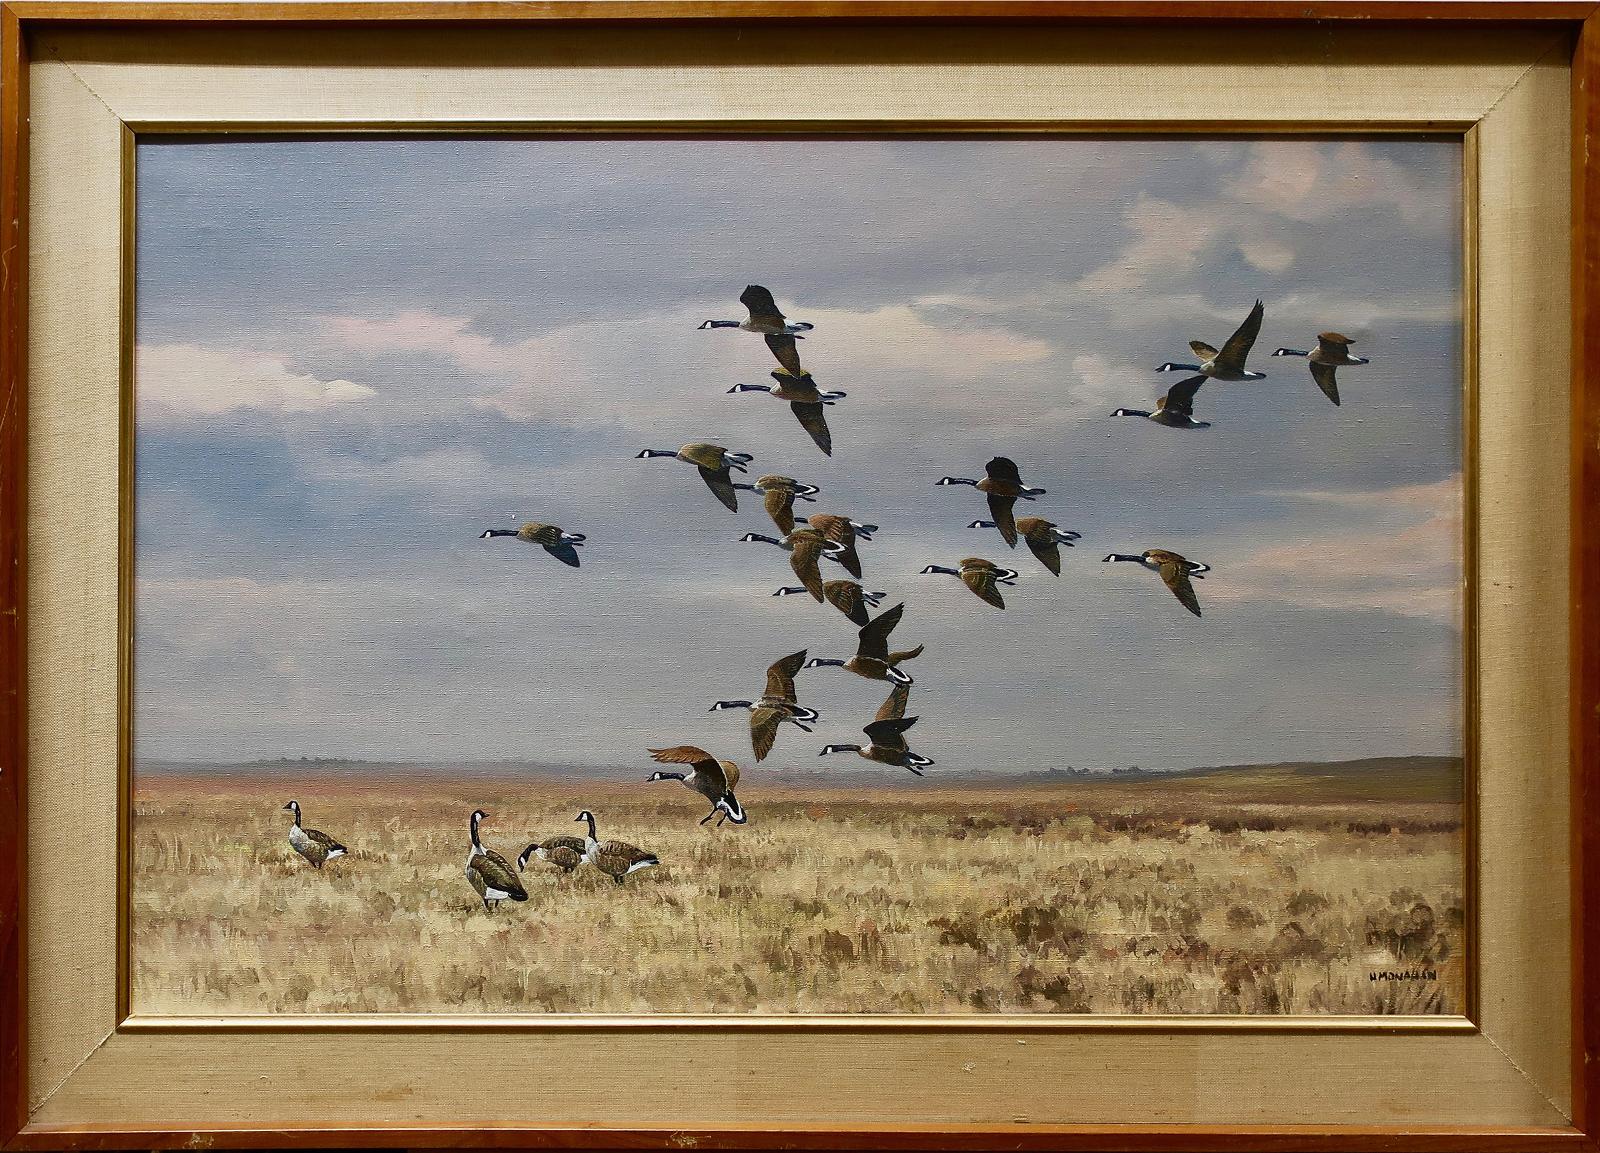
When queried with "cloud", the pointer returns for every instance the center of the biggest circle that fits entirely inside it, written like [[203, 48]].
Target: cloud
[[176, 380], [1309, 181], [1396, 549]]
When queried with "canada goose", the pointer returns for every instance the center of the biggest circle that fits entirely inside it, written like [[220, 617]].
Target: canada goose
[[316, 847], [616, 859], [1332, 350], [764, 315], [780, 493], [1042, 537], [805, 547], [713, 461], [1003, 486], [1229, 363], [981, 576], [846, 596], [841, 530], [489, 873], [1176, 408], [806, 401], [566, 853], [776, 705], [1174, 570], [561, 545], [713, 779], [873, 659], [887, 733]]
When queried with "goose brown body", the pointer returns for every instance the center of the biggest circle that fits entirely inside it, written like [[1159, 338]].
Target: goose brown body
[[887, 736], [312, 844], [566, 853], [490, 874], [873, 659], [841, 530], [616, 859]]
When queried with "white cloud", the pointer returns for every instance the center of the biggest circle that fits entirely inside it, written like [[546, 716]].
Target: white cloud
[[177, 380], [1310, 181]]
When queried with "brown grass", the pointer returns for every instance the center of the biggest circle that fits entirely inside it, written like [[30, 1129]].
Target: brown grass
[[1094, 897]]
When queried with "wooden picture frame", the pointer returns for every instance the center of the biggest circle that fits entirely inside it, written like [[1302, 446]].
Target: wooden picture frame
[[1517, 81]]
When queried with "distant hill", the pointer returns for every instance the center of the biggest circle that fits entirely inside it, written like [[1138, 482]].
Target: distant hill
[[1436, 779]]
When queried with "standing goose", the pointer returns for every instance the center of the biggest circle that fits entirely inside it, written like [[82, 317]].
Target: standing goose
[[1176, 408], [806, 401], [780, 493], [1229, 363], [1042, 537], [981, 576], [806, 548], [843, 531], [887, 732], [561, 545], [315, 846], [1003, 485], [713, 779], [764, 315], [846, 596], [776, 705], [1174, 570], [489, 873], [713, 461], [1332, 350], [616, 859], [873, 659], [566, 853]]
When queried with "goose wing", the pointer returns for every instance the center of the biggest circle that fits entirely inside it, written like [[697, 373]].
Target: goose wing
[[890, 733], [1180, 397], [1038, 534], [814, 420], [780, 507], [981, 581], [498, 874], [692, 755], [763, 730], [1324, 375], [846, 597], [328, 843], [785, 351], [712, 456], [895, 706], [1001, 512], [780, 676], [805, 550], [1203, 350], [763, 309], [563, 552], [1243, 339], [535, 533], [615, 857], [1175, 572], [721, 485], [565, 856], [1003, 468], [1334, 342], [873, 639]]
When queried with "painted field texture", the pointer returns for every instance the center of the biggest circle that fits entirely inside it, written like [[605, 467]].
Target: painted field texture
[[1236, 892]]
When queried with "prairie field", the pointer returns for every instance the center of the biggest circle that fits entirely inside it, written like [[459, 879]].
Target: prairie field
[[1245, 893]]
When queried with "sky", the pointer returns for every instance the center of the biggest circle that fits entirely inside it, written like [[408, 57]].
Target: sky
[[356, 355]]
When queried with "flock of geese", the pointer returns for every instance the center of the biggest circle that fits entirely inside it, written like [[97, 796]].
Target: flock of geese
[[811, 539]]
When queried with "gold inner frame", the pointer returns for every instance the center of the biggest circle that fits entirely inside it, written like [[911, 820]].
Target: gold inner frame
[[203, 77]]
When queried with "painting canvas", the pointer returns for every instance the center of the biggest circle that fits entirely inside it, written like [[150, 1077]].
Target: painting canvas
[[782, 577]]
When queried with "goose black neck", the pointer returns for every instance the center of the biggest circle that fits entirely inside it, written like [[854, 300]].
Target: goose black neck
[[500, 532], [1130, 412], [475, 842], [590, 818], [1124, 556], [671, 777]]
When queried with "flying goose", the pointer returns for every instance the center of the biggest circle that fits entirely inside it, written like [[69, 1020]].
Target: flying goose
[[1003, 485], [846, 596], [1229, 363], [806, 401], [616, 859], [1332, 350], [315, 846], [713, 461], [1042, 537], [566, 853], [489, 873], [806, 547], [981, 576], [887, 732], [776, 705], [561, 545], [1176, 408], [843, 531], [713, 779], [1174, 570], [764, 315], [873, 659], [780, 493]]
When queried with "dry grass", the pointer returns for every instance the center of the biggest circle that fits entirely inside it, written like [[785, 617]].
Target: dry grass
[[1068, 898]]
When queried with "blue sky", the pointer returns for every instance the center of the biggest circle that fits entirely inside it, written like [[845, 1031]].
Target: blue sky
[[356, 355]]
